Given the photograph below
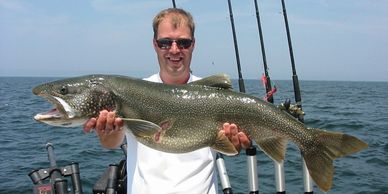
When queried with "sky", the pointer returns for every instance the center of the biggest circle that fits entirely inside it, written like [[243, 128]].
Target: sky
[[342, 40]]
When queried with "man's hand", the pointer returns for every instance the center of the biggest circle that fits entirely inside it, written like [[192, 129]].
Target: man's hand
[[108, 127], [238, 138]]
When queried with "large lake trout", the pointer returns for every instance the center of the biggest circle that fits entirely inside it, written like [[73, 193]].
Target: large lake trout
[[183, 118]]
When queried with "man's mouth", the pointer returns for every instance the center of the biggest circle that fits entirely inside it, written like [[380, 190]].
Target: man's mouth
[[175, 59]]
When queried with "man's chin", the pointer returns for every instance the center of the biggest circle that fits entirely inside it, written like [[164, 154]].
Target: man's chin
[[176, 67]]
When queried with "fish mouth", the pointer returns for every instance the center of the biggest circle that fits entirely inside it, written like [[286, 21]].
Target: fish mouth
[[54, 113], [62, 114]]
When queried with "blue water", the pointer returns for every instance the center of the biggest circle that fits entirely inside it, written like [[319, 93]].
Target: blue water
[[356, 108]]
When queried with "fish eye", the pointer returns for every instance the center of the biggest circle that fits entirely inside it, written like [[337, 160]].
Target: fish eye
[[64, 90]]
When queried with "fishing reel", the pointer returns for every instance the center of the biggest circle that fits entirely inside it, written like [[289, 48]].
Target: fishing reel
[[293, 109]]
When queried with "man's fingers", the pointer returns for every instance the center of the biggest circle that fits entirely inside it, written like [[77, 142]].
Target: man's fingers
[[226, 129], [236, 142], [101, 121], [244, 140], [89, 125], [239, 139], [118, 123], [110, 119], [233, 129]]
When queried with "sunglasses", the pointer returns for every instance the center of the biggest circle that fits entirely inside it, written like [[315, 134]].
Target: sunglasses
[[166, 43]]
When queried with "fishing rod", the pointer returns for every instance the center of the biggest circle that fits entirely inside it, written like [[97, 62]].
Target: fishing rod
[[225, 183], [173, 4], [279, 166], [240, 78], [295, 81], [251, 151], [268, 86], [308, 185], [226, 187]]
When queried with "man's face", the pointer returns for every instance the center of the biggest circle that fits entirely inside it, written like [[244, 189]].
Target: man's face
[[174, 60]]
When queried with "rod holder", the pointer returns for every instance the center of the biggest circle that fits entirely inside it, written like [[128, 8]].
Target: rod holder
[[224, 178], [279, 177], [253, 179]]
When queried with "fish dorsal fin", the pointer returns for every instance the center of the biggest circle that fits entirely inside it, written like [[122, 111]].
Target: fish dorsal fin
[[141, 128], [224, 146], [274, 147], [219, 81]]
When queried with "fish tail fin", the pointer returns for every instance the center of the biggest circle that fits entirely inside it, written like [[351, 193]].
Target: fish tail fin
[[328, 146]]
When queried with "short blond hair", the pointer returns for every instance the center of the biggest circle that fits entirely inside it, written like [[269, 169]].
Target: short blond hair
[[179, 17]]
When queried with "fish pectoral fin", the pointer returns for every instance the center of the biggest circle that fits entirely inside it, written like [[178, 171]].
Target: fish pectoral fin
[[224, 146], [219, 81], [274, 147], [141, 128]]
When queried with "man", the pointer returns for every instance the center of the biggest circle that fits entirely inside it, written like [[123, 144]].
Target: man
[[152, 171]]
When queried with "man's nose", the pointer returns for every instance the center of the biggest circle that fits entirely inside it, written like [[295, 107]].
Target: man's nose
[[174, 48]]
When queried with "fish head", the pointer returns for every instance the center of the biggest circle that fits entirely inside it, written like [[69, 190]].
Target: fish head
[[75, 100]]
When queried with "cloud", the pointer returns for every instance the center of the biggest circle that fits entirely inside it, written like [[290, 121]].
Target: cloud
[[357, 19], [13, 5], [126, 7]]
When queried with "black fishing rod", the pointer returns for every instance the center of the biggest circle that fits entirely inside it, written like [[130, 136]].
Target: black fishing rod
[[251, 151], [279, 166], [222, 172], [173, 4], [240, 78], [268, 86], [308, 185], [295, 80]]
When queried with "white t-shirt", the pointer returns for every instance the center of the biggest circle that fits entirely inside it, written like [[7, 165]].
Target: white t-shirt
[[150, 171]]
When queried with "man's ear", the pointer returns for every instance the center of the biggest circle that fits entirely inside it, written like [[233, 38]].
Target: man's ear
[[193, 44], [155, 44]]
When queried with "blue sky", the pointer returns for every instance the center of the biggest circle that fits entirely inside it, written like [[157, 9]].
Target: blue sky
[[332, 40]]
